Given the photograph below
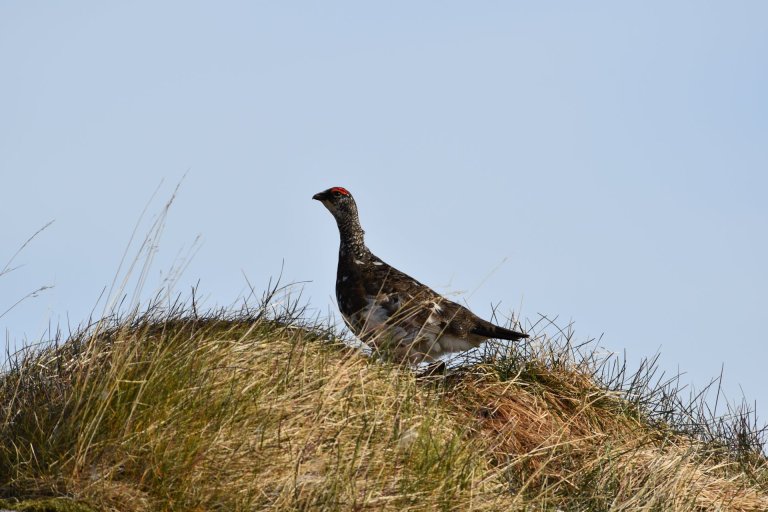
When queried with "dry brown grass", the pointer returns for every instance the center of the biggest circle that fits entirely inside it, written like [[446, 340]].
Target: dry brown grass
[[570, 439], [256, 411]]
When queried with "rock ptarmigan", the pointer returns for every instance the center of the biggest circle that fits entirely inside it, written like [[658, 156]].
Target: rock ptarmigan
[[390, 311]]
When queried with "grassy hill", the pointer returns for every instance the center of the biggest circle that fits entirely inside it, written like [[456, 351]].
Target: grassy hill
[[264, 409]]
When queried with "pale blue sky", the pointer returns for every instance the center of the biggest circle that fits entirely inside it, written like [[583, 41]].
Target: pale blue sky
[[614, 153]]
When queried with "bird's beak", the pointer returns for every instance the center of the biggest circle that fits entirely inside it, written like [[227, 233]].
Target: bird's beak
[[320, 196]]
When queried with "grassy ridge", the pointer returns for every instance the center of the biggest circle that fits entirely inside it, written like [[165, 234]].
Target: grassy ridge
[[171, 410]]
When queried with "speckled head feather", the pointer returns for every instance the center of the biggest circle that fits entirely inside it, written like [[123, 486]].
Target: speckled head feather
[[342, 205]]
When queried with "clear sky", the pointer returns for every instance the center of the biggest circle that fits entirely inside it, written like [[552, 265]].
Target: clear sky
[[604, 162]]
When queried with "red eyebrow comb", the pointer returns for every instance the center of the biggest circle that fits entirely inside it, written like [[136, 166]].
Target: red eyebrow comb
[[341, 190]]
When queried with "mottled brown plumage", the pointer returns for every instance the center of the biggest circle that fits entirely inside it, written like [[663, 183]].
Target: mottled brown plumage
[[389, 310]]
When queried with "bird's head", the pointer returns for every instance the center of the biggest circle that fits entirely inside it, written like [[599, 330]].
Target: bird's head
[[339, 202]]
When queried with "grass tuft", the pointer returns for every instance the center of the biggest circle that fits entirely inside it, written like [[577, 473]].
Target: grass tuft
[[264, 408]]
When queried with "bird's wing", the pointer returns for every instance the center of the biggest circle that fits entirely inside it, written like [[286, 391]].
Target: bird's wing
[[407, 301], [412, 303]]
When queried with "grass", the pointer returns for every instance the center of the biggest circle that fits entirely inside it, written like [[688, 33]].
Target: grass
[[263, 408]]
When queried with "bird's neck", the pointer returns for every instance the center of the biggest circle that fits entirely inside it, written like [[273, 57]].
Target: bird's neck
[[352, 239]]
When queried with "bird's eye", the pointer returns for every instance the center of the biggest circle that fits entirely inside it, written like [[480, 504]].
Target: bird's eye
[[336, 193]]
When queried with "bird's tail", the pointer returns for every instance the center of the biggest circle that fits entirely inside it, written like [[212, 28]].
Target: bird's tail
[[494, 331]]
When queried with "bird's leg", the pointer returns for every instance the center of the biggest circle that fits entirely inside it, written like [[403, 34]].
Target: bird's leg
[[432, 370]]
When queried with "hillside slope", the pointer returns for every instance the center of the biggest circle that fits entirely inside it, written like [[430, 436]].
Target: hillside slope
[[249, 411]]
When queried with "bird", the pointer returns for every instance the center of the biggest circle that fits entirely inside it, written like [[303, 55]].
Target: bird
[[391, 312]]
